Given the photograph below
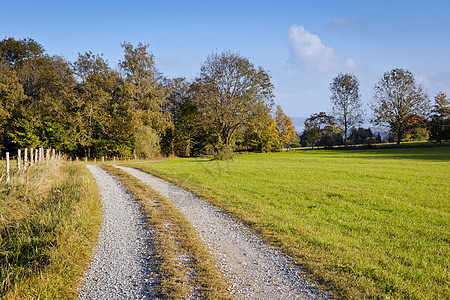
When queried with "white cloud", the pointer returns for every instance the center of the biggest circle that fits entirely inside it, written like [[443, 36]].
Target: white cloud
[[435, 82], [307, 49]]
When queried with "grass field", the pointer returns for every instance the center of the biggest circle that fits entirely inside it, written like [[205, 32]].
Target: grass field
[[366, 224], [49, 221]]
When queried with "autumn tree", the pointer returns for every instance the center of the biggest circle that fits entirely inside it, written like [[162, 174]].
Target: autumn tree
[[230, 92], [346, 102], [284, 128], [399, 102], [147, 96], [439, 125]]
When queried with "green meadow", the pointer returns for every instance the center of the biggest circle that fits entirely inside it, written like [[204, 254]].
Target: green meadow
[[364, 223]]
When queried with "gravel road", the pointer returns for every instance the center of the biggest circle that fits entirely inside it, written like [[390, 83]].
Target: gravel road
[[252, 269], [122, 267]]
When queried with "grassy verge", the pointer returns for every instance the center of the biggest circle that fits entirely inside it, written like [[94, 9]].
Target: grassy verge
[[49, 222], [367, 224], [186, 267]]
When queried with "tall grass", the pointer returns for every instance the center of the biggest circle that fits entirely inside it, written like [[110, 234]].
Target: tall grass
[[49, 221], [366, 224]]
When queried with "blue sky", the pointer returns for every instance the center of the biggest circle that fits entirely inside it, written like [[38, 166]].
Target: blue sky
[[303, 44]]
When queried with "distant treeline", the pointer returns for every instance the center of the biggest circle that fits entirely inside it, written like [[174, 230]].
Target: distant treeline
[[87, 108]]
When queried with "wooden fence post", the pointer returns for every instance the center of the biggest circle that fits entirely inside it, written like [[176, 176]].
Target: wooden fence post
[[18, 159], [25, 159], [7, 166], [31, 156], [103, 159]]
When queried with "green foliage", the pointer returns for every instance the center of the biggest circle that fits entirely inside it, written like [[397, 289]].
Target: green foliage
[[439, 125], [263, 134], [146, 142], [229, 93], [400, 102], [360, 135], [320, 130], [147, 97], [369, 224], [16, 52]]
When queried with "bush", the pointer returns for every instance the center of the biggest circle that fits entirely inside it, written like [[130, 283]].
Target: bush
[[146, 142]]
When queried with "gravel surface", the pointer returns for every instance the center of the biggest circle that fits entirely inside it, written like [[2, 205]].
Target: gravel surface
[[253, 269], [123, 266]]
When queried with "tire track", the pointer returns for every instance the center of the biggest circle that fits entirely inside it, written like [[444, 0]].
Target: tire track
[[123, 264], [253, 269]]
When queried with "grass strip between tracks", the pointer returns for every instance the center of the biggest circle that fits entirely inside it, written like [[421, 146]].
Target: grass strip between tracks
[[186, 266]]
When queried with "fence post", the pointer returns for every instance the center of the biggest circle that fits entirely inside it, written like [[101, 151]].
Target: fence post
[[103, 159], [18, 159], [85, 159], [7, 166], [53, 154], [31, 156], [25, 159]]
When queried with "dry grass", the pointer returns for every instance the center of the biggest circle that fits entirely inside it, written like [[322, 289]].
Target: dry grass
[[187, 268], [49, 222]]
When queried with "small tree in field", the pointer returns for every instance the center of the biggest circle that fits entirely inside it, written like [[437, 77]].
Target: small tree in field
[[346, 102], [285, 129], [439, 125], [399, 102]]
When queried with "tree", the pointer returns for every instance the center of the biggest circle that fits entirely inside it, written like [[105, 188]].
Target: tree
[[284, 128], [346, 102], [16, 52], [229, 91], [261, 134], [94, 93], [146, 95], [439, 125], [361, 135], [399, 101], [11, 94], [320, 127]]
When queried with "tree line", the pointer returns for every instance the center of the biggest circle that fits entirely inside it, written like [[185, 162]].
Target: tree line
[[87, 108], [399, 102]]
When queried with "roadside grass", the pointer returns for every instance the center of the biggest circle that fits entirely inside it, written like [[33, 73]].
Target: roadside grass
[[364, 223], [184, 262], [50, 216]]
